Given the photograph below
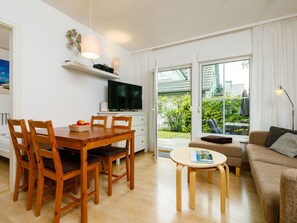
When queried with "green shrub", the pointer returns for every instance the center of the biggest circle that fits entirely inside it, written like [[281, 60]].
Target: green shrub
[[176, 110]]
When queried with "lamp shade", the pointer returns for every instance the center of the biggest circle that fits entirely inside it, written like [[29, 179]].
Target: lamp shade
[[279, 91], [116, 65], [90, 46]]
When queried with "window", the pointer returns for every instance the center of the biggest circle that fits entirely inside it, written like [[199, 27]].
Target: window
[[225, 97]]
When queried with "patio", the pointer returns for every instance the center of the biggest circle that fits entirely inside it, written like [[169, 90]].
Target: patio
[[166, 145]]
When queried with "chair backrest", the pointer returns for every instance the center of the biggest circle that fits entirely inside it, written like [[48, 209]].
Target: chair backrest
[[122, 122], [45, 144], [213, 125], [20, 140], [99, 121]]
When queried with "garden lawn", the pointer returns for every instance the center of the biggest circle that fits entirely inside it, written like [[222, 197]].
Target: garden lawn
[[170, 135]]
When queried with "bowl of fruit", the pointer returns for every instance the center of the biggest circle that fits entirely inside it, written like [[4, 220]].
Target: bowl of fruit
[[80, 126]]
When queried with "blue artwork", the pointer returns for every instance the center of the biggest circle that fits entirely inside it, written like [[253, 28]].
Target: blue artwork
[[4, 77], [4, 72]]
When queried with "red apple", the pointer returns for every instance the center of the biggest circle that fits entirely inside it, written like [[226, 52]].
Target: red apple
[[80, 122]]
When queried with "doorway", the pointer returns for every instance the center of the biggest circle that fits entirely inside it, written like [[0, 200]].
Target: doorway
[[5, 108], [14, 43], [174, 114]]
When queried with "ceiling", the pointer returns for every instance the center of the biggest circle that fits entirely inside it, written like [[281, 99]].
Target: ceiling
[[142, 24]]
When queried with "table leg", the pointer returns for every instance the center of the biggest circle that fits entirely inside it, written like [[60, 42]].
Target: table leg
[[84, 192], [132, 162], [179, 187], [192, 187], [222, 187], [209, 177], [188, 174], [227, 180]]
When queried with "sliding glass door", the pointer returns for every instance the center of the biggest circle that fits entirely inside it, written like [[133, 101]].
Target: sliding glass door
[[224, 92]]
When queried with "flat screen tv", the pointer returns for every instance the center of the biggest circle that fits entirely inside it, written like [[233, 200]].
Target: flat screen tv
[[124, 96]]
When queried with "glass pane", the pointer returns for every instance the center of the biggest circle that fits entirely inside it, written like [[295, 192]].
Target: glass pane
[[225, 98], [212, 82], [212, 118], [174, 114]]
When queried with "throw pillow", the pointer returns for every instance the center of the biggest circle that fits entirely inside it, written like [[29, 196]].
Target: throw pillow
[[217, 139], [286, 145], [275, 133]]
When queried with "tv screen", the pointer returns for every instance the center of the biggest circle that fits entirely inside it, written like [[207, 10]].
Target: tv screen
[[124, 96]]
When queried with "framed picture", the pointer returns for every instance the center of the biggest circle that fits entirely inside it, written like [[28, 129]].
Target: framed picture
[[4, 77]]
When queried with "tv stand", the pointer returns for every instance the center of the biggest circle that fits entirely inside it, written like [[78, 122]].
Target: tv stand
[[139, 124]]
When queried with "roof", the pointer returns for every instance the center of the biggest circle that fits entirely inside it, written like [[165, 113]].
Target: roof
[[174, 87]]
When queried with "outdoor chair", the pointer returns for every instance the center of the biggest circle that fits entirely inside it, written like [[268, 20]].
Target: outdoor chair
[[213, 125]]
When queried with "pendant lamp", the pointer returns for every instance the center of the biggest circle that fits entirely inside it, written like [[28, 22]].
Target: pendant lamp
[[89, 42]]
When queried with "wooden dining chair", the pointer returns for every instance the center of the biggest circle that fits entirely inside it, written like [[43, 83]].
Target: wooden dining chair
[[59, 168], [110, 153], [99, 121], [25, 160]]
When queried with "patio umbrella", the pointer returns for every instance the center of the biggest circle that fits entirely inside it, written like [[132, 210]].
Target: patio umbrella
[[245, 104]]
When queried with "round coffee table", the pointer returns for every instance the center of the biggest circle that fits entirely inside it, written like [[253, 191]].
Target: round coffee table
[[182, 158]]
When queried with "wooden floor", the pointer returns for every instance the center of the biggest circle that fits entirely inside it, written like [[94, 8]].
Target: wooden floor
[[152, 200]]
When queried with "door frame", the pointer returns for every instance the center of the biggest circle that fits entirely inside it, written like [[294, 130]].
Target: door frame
[[198, 114], [15, 83], [184, 61]]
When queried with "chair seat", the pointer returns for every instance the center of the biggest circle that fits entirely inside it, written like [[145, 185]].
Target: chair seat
[[62, 153], [108, 151], [69, 162]]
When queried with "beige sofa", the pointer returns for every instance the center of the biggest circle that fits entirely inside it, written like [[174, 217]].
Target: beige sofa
[[275, 177]]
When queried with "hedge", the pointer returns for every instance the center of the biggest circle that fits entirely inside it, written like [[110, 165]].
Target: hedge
[[176, 109]]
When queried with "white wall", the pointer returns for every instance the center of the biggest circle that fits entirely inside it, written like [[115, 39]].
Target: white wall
[[212, 48], [4, 98], [48, 90]]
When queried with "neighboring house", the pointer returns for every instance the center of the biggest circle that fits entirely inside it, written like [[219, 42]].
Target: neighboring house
[[174, 82]]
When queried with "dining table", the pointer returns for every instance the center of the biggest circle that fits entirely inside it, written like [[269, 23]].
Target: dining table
[[93, 138]]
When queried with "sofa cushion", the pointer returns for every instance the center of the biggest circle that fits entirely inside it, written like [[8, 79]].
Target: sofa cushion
[[288, 196], [267, 180], [228, 149], [262, 153], [275, 133], [286, 145]]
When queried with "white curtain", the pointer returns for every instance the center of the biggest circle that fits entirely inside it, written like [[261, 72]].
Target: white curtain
[[143, 75], [274, 63]]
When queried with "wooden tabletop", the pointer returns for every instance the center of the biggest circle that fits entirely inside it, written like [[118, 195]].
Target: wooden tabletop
[[183, 157], [94, 133], [76, 140]]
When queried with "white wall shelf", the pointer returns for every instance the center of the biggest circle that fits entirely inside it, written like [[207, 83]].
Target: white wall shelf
[[81, 67]]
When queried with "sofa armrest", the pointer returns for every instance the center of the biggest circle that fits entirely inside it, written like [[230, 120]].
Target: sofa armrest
[[258, 137], [288, 196]]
